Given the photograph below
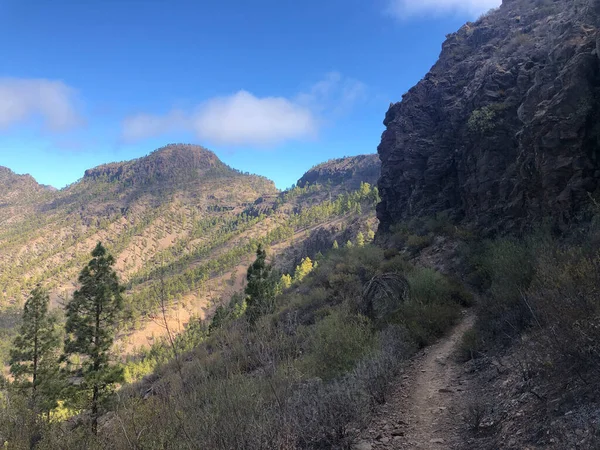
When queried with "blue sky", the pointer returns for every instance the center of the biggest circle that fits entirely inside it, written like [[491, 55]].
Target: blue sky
[[271, 86]]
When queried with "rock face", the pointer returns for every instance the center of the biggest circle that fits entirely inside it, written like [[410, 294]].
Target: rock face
[[505, 128], [350, 171]]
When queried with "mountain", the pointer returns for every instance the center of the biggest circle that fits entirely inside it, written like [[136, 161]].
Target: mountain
[[178, 213], [172, 165], [17, 194], [344, 171], [503, 130]]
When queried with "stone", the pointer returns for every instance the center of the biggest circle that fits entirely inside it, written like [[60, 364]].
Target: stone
[[364, 445]]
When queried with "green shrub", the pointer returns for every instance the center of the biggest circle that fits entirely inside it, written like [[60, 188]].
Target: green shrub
[[375, 373], [415, 243], [565, 303], [460, 294], [336, 343], [440, 224], [505, 268], [428, 286], [482, 120], [390, 253], [427, 323]]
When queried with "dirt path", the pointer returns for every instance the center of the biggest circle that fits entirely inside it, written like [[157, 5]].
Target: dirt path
[[425, 408]]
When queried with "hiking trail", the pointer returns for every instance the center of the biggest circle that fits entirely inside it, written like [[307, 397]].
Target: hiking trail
[[424, 409]]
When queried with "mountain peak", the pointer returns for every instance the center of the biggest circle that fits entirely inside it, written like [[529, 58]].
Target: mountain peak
[[172, 164], [8, 177], [16, 189]]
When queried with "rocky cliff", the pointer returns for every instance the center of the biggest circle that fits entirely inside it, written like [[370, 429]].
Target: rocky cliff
[[349, 171], [505, 128]]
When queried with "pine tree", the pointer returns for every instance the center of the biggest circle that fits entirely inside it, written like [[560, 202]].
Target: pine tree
[[261, 288], [286, 281], [305, 267], [92, 316], [349, 244], [360, 239], [218, 319], [33, 361], [336, 245], [365, 189]]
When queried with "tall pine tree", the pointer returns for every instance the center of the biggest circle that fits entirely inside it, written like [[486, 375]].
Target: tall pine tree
[[33, 358], [92, 317], [261, 288]]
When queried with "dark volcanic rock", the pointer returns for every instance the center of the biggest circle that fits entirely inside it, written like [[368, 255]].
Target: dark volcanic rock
[[505, 128], [350, 171]]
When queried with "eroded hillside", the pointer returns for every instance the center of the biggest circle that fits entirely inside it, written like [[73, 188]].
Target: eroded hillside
[[180, 214]]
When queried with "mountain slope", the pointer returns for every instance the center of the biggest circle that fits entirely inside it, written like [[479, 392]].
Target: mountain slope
[[504, 128], [18, 195], [139, 208], [180, 212]]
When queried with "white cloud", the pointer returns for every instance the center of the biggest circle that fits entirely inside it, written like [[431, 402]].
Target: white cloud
[[409, 8], [334, 93], [141, 126], [24, 99], [245, 119]]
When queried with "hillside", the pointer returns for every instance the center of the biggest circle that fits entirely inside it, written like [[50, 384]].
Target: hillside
[[472, 321], [347, 172], [178, 211], [18, 196], [502, 131]]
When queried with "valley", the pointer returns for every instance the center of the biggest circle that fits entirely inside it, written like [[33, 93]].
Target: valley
[[196, 230]]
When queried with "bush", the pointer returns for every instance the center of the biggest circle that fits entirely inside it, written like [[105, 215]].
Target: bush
[[470, 345], [428, 286], [440, 224], [336, 343], [482, 120], [427, 322], [325, 413], [565, 302], [505, 268], [460, 294], [304, 376], [375, 373], [416, 243]]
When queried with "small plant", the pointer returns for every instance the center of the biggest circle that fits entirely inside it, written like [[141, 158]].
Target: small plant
[[475, 413], [470, 345], [482, 120], [416, 243]]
